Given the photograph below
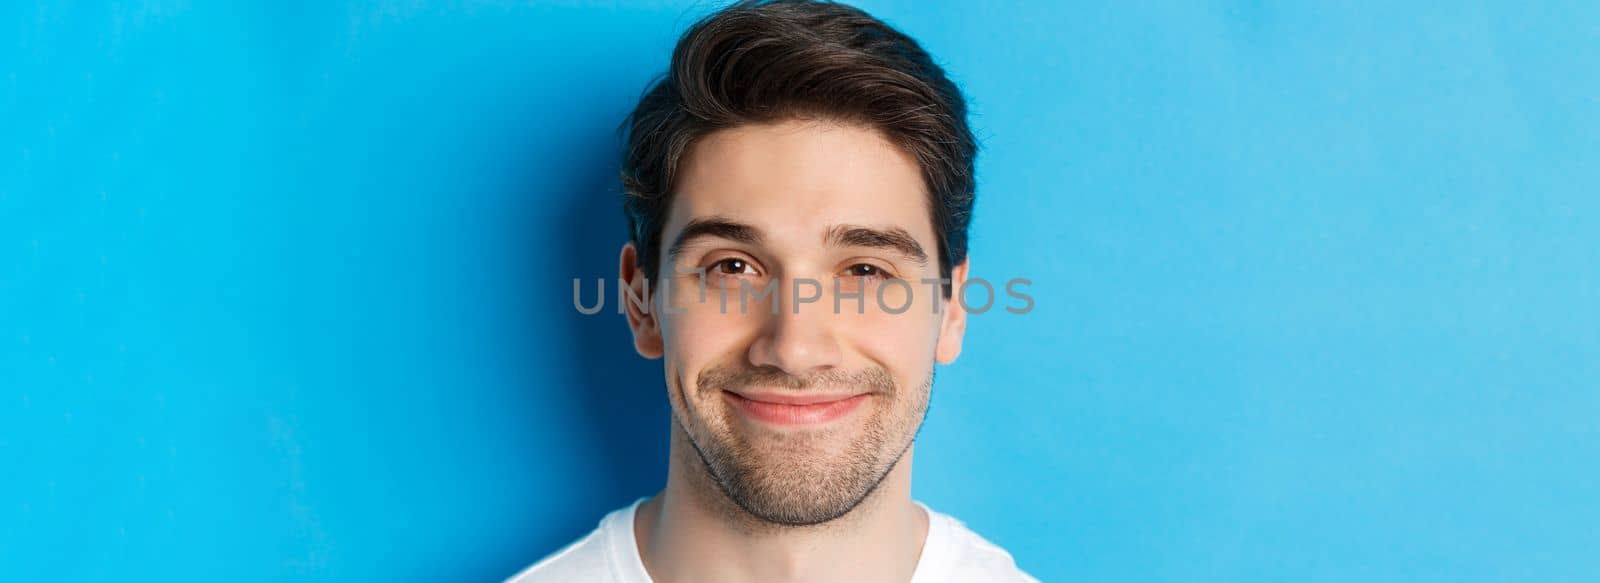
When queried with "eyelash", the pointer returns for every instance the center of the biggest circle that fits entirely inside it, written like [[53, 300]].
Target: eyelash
[[878, 272], [715, 269]]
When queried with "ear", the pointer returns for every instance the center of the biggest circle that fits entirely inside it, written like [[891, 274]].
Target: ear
[[646, 328], [954, 324]]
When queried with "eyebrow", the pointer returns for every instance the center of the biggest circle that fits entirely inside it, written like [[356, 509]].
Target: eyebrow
[[892, 238], [713, 227]]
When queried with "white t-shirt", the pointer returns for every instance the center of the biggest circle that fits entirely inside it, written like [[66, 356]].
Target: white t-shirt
[[951, 553]]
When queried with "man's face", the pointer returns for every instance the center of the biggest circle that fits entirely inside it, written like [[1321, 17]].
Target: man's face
[[799, 416]]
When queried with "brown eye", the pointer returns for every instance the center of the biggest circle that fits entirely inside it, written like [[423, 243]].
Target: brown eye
[[865, 270], [732, 266]]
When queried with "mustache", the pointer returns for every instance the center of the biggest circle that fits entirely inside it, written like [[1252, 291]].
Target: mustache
[[720, 378]]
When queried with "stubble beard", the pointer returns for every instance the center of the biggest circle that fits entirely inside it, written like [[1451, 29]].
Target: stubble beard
[[794, 479]]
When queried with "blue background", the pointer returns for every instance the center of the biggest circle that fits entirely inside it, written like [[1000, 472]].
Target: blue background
[[285, 288]]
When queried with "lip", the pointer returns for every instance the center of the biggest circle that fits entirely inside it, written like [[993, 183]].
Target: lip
[[795, 409]]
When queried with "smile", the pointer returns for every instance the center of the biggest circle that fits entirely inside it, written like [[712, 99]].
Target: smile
[[795, 409]]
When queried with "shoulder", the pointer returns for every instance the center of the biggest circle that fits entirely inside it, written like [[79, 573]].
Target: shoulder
[[606, 554], [583, 560], [970, 557]]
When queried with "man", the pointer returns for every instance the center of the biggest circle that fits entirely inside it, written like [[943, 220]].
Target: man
[[798, 188]]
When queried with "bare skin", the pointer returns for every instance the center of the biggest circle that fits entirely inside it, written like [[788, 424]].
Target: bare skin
[[758, 497]]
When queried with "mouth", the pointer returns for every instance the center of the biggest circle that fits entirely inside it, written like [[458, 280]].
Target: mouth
[[795, 409]]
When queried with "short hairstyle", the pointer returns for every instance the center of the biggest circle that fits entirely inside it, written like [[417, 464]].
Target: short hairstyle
[[767, 61]]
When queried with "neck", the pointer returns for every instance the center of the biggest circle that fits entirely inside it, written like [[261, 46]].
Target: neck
[[691, 531]]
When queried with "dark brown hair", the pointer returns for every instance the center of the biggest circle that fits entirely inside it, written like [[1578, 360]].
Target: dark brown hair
[[767, 61]]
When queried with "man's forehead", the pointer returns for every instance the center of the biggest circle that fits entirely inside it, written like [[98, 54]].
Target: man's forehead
[[774, 225], [796, 182], [799, 166]]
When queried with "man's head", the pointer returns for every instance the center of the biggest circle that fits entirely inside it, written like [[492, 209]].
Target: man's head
[[798, 142]]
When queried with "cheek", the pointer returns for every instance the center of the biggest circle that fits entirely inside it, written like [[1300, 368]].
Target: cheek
[[904, 342], [694, 327], [701, 336]]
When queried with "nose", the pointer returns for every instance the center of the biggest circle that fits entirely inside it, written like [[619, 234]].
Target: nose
[[800, 344]]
